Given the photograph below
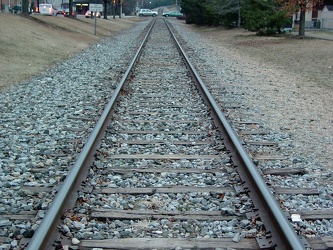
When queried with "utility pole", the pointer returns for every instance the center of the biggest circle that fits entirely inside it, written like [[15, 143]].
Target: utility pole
[[114, 9], [70, 10], [120, 8], [239, 15]]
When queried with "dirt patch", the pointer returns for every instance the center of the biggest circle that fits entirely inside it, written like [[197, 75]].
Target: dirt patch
[[257, 43], [312, 58]]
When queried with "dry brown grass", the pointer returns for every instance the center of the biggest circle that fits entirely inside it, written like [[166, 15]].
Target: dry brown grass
[[31, 45], [310, 57]]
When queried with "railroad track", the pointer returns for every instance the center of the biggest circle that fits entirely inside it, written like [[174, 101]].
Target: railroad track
[[161, 132], [159, 170]]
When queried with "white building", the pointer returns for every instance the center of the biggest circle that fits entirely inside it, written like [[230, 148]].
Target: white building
[[327, 17]]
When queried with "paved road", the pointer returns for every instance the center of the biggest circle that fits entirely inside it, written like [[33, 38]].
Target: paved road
[[320, 34]]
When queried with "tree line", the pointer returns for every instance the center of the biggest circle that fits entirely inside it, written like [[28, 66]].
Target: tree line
[[265, 17]]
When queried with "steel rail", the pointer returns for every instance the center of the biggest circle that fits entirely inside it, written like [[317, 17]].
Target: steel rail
[[41, 239], [282, 234]]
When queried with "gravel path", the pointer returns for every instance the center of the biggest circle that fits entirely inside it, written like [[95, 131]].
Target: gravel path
[[282, 101], [296, 111], [44, 119]]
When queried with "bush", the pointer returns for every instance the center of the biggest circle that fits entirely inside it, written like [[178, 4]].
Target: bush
[[264, 18]]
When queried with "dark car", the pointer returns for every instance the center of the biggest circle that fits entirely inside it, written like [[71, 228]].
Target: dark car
[[173, 14], [66, 12], [15, 9], [60, 11]]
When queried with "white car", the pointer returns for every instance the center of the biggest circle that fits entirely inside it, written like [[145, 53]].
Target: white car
[[88, 14], [147, 12], [47, 9]]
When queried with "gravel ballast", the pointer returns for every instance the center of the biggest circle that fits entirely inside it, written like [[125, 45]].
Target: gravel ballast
[[297, 112], [44, 119]]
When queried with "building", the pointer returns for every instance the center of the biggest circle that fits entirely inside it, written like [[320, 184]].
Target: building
[[6, 4], [327, 17], [320, 17], [81, 5]]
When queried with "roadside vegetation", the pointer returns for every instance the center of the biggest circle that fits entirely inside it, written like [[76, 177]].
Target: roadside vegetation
[[265, 17]]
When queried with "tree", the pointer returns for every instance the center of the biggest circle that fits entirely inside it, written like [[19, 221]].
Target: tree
[[226, 7], [193, 9], [105, 9], [129, 6], [25, 7], [265, 17], [202, 12], [32, 6], [222, 12], [293, 6]]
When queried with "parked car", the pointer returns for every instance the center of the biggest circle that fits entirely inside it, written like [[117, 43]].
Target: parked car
[[15, 9], [173, 14], [66, 12], [147, 12], [88, 14], [47, 9], [60, 11]]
